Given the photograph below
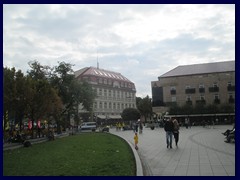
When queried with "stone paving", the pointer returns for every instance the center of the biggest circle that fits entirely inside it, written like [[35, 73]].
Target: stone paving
[[201, 152]]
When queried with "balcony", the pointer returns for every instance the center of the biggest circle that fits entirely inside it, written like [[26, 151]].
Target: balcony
[[214, 89], [173, 91], [190, 91], [201, 90], [231, 88]]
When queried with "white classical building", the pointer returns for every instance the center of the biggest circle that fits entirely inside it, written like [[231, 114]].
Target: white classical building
[[114, 92]]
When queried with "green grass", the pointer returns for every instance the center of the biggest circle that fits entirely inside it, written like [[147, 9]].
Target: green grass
[[89, 154]]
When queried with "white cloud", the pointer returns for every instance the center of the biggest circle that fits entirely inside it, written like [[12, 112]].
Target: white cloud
[[141, 41]]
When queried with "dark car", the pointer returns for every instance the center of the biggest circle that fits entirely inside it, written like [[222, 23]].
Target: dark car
[[127, 127], [105, 129]]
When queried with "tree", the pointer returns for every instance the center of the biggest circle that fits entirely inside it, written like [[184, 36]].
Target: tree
[[145, 107], [130, 114], [71, 91], [9, 95]]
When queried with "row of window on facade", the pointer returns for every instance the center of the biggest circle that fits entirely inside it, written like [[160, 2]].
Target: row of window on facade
[[109, 82], [216, 98], [113, 93], [214, 88], [110, 105]]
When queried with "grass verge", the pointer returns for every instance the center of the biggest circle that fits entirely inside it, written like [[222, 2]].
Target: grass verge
[[89, 154]]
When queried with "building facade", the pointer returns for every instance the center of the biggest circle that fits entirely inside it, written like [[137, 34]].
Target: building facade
[[210, 83], [114, 92]]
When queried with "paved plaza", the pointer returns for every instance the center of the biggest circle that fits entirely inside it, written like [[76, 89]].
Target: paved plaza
[[201, 152]]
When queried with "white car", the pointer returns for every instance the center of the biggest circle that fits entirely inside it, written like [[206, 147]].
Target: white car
[[88, 126]]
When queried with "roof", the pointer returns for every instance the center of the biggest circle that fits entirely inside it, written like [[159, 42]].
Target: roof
[[101, 73], [215, 67]]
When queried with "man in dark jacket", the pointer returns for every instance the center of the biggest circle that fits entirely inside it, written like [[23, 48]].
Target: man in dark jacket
[[169, 127]]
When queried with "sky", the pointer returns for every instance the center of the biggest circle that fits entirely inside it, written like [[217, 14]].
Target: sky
[[141, 42]]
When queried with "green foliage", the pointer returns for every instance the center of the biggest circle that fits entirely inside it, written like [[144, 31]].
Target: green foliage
[[130, 114], [90, 154], [144, 106], [45, 92]]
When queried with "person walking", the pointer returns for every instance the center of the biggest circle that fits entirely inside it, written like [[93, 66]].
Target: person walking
[[168, 127], [136, 140], [176, 131]]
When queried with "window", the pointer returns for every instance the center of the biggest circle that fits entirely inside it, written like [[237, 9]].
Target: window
[[215, 85], [216, 99], [100, 105], [201, 85], [110, 105], [100, 92], [188, 98], [105, 92], [216, 96], [231, 98], [105, 81], [110, 93], [202, 97], [174, 99], [105, 105], [173, 90]]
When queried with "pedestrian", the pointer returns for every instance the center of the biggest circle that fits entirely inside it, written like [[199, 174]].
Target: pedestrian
[[168, 127], [213, 123], [140, 128], [136, 140], [176, 131], [136, 126], [186, 123]]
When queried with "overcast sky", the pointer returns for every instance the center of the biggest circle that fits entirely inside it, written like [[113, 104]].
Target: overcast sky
[[141, 42]]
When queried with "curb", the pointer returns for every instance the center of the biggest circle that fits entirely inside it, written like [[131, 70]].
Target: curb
[[139, 167]]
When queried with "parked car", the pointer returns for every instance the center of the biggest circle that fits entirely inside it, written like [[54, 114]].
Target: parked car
[[88, 126], [127, 127], [105, 129]]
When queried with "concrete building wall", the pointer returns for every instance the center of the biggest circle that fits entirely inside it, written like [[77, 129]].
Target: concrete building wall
[[180, 83]]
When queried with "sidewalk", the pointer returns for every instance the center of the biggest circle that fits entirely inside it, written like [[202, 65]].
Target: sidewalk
[[201, 152]]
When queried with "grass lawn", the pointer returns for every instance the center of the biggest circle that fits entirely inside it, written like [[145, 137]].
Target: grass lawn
[[88, 154]]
